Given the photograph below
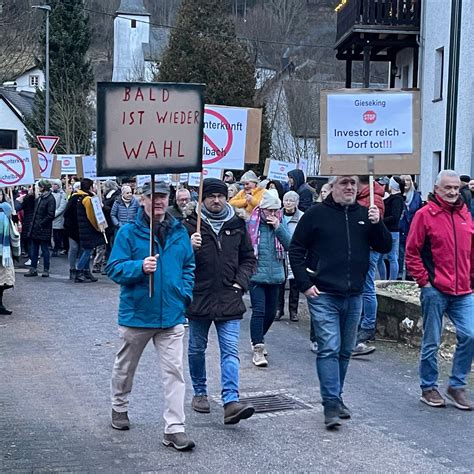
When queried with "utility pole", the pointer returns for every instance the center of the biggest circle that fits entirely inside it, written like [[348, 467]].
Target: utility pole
[[47, 9]]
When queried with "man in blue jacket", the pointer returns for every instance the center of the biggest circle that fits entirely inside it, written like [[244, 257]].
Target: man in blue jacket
[[159, 318]]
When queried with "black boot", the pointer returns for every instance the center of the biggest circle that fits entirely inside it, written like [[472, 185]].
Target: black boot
[[331, 415], [4, 310], [88, 276], [80, 278]]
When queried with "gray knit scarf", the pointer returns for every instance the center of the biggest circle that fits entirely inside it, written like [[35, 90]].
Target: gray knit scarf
[[217, 219]]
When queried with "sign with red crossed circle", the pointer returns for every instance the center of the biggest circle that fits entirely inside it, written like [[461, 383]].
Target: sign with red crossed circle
[[16, 168], [45, 161], [225, 135]]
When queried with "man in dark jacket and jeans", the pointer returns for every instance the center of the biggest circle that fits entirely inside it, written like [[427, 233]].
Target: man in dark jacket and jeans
[[42, 228], [224, 263], [329, 255]]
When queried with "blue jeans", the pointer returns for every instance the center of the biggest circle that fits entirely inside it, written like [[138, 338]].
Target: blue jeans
[[84, 259], [460, 310], [336, 319], [369, 296], [34, 253], [228, 335], [392, 258], [264, 299]]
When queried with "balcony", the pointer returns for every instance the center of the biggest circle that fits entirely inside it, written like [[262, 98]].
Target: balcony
[[386, 23]]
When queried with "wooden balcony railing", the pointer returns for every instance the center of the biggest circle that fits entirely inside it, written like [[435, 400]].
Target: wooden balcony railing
[[383, 13]]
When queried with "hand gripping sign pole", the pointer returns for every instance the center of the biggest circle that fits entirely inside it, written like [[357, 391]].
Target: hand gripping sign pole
[[199, 204]]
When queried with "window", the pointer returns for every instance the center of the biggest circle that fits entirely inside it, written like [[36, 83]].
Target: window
[[437, 162], [439, 71], [34, 81], [134, 23], [8, 139], [405, 72]]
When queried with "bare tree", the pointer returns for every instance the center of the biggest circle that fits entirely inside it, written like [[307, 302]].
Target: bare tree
[[19, 38]]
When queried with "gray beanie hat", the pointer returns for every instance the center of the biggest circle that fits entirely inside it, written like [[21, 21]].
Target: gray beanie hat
[[270, 200]]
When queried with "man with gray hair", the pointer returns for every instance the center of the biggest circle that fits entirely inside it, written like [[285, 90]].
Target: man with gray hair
[[329, 255], [440, 256]]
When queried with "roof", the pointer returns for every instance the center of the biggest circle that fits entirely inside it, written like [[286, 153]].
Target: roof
[[20, 102], [132, 7], [153, 51]]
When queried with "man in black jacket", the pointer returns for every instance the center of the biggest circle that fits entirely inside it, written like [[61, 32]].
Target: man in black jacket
[[329, 255], [41, 229], [297, 183], [224, 263]]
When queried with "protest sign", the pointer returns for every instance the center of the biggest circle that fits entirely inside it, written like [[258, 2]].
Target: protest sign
[[68, 163], [141, 179], [303, 166], [45, 164], [229, 142], [278, 170], [195, 178], [365, 131], [98, 212], [16, 167], [149, 127]]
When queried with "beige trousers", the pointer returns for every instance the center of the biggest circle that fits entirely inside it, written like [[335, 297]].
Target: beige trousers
[[169, 345]]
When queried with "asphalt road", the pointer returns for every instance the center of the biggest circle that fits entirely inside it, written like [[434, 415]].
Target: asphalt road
[[56, 354]]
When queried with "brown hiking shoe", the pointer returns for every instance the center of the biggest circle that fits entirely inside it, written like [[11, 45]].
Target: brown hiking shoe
[[236, 411], [201, 404], [432, 398], [459, 399]]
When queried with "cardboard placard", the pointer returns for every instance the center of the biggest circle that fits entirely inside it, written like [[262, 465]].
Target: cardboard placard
[[195, 178], [254, 131], [149, 128], [370, 131], [70, 164], [278, 170], [98, 212], [18, 167]]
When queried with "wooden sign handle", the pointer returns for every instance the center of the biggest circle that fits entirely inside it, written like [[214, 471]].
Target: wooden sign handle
[[199, 204], [371, 188], [151, 281]]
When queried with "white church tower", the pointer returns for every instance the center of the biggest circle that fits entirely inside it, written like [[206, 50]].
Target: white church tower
[[131, 31]]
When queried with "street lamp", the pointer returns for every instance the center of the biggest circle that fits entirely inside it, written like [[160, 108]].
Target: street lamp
[[47, 9]]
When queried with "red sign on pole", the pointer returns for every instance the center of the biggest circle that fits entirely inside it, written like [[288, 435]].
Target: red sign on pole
[[48, 143]]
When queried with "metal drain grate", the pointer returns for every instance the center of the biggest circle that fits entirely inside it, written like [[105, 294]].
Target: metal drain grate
[[274, 402]]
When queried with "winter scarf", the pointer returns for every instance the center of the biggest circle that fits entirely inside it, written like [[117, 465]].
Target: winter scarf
[[217, 219], [254, 233], [9, 236]]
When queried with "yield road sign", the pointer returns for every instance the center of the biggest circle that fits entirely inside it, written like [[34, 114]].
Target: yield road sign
[[48, 143]]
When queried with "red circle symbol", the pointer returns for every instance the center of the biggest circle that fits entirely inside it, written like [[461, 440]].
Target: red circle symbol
[[43, 162], [16, 170], [282, 168], [220, 153], [66, 162], [370, 116], [204, 172]]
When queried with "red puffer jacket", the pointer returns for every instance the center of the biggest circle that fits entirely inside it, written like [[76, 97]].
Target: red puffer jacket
[[363, 197], [440, 247]]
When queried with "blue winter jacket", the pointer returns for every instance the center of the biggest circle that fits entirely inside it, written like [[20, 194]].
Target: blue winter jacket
[[270, 269], [122, 214], [173, 279]]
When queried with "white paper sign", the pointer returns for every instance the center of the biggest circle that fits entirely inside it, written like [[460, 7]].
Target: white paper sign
[[16, 168], [303, 166], [141, 179], [364, 124], [99, 213], [278, 170], [225, 136], [195, 178], [68, 164], [46, 161]]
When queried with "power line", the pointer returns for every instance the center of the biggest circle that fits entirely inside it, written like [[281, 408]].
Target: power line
[[250, 40]]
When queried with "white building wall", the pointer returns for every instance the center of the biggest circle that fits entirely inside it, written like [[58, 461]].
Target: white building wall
[[465, 111], [9, 121], [436, 33], [24, 81], [129, 63]]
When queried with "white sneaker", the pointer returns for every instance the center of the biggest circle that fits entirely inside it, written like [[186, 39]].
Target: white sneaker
[[258, 356], [314, 347], [362, 349], [28, 263], [265, 352]]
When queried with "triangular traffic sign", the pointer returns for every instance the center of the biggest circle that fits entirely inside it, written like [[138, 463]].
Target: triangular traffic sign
[[48, 143]]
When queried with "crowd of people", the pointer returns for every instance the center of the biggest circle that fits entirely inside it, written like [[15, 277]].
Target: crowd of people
[[261, 236]]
